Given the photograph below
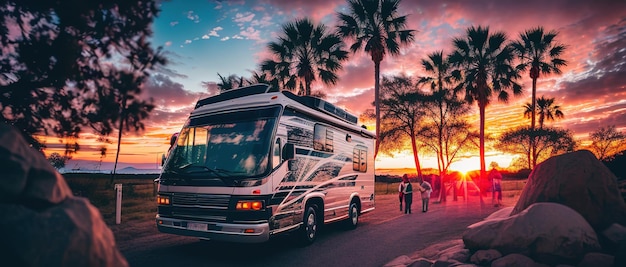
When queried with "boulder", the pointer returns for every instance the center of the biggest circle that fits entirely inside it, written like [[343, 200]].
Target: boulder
[[580, 181], [456, 253], [546, 232], [485, 257], [43, 223], [515, 260], [597, 259]]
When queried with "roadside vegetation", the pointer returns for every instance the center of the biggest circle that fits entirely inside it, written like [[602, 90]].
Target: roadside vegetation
[[138, 194]]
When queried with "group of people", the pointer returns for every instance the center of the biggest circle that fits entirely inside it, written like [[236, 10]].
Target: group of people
[[405, 193], [405, 190]]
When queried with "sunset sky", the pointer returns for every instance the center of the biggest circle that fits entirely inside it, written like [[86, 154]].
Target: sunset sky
[[204, 38]]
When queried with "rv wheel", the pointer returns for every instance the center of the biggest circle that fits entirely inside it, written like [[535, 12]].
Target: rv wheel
[[353, 216], [308, 230]]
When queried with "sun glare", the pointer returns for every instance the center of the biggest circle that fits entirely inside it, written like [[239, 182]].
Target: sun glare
[[466, 165]]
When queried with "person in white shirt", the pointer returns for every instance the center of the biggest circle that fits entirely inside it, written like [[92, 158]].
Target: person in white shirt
[[425, 189]]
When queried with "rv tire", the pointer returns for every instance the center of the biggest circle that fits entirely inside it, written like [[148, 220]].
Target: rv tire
[[310, 226], [353, 216]]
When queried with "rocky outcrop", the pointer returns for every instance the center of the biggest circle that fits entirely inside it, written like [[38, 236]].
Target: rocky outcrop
[[570, 213], [546, 232], [580, 181], [43, 223]]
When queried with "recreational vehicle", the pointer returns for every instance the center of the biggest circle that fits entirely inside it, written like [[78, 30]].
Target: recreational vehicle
[[254, 162]]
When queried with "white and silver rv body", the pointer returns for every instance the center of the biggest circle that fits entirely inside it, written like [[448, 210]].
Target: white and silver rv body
[[254, 162]]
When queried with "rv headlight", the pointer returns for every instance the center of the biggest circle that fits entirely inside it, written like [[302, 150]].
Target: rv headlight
[[163, 200], [250, 205]]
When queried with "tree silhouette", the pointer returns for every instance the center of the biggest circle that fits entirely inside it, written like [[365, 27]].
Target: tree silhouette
[[549, 142], [61, 63], [444, 132], [607, 142], [57, 160], [539, 52], [485, 62], [230, 82], [546, 110], [403, 110], [304, 53], [375, 26]]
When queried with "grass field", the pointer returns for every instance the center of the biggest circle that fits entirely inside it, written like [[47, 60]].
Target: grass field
[[139, 193]]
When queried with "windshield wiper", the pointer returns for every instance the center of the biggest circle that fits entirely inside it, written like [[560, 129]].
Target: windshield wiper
[[224, 171], [192, 169]]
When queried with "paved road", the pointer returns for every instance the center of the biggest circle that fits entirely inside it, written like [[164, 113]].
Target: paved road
[[381, 236]]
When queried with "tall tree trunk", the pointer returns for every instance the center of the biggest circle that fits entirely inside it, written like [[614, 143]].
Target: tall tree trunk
[[119, 138], [418, 166], [481, 106], [534, 75], [377, 104]]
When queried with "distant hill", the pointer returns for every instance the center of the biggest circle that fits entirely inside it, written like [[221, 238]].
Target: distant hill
[[126, 170]]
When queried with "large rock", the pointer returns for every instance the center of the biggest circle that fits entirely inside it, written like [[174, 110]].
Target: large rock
[[547, 232], [43, 223], [580, 181]]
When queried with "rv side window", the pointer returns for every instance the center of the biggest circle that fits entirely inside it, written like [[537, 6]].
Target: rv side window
[[359, 159], [276, 160], [323, 138]]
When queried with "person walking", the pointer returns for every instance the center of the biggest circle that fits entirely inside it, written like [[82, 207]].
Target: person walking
[[496, 181], [401, 191], [425, 189], [408, 194]]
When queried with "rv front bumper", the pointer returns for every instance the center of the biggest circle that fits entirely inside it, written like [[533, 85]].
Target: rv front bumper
[[241, 233]]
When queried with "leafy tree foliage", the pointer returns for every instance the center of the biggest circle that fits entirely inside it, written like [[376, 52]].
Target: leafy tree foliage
[[70, 64], [549, 142], [545, 108], [305, 53], [607, 142], [539, 52], [403, 110], [445, 131], [57, 160]]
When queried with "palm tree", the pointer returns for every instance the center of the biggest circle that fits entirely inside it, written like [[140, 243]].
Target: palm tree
[[263, 77], [230, 82], [539, 52], [306, 52], [486, 64], [375, 26], [545, 109]]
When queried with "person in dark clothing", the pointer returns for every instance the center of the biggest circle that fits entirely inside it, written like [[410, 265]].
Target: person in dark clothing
[[408, 195], [496, 190]]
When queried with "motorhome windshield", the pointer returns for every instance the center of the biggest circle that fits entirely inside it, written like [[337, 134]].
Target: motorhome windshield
[[234, 144]]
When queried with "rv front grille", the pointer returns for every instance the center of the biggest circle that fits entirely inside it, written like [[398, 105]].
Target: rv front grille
[[200, 201]]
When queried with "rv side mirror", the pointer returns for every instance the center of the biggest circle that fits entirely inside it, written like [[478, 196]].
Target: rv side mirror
[[289, 151], [173, 139]]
